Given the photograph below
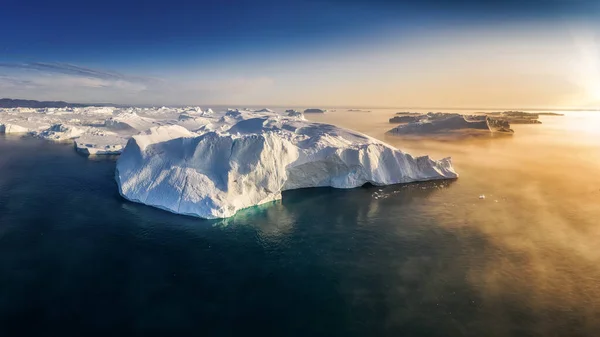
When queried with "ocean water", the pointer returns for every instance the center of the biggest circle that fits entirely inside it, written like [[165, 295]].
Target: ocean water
[[426, 259]]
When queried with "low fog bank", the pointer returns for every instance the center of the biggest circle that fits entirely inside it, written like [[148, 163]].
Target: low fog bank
[[540, 213]]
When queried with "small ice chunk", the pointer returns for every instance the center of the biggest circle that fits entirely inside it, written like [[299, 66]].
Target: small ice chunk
[[482, 196]]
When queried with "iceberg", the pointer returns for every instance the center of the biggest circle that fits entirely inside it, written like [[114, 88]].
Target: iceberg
[[404, 119], [15, 123], [100, 110], [314, 110], [294, 113], [100, 144], [130, 121], [12, 128], [440, 123], [61, 132], [252, 158], [516, 117]]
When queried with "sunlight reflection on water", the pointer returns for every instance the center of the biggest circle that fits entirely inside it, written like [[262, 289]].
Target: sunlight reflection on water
[[541, 212]]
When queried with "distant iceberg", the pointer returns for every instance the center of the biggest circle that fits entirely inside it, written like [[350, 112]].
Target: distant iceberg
[[434, 123], [61, 132], [294, 113], [130, 120], [314, 110]]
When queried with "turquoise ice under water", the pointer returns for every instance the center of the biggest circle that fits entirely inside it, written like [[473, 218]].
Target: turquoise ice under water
[[429, 259]]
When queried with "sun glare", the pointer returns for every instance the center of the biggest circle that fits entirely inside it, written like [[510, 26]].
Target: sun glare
[[587, 64]]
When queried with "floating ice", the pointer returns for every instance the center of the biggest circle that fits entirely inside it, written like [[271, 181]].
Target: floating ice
[[61, 132], [255, 157], [432, 123], [313, 110], [12, 128], [102, 144]]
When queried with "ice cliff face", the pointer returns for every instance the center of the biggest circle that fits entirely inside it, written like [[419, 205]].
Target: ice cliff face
[[248, 158]]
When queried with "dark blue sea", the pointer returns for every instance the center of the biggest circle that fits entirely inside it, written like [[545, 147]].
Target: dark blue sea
[[427, 259]]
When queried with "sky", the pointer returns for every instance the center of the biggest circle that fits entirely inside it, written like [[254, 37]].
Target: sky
[[378, 53]]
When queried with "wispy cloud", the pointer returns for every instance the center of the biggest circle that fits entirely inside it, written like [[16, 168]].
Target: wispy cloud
[[12, 82], [70, 69], [39, 80], [71, 82]]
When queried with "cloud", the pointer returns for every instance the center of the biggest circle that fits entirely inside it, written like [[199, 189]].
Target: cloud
[[70, 69], [68, 81], [61, 81], [12, 82], [54, 76]]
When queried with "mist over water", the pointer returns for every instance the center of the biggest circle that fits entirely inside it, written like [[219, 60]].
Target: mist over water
[[427, 259], [540, 218]]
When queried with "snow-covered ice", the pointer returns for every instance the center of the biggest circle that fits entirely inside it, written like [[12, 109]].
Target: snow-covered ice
[[294, 113], [100, 144], [252, 158], [12, 128], [130, 120], [61, 132], [94, 130]]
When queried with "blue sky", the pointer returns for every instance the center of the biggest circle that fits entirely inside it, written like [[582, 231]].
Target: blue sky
[[371, 53]]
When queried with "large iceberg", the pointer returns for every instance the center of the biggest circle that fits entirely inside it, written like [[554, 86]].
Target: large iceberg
[[248, 159]]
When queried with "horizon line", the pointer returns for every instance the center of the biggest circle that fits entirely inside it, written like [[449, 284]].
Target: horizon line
[[319, 106]]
